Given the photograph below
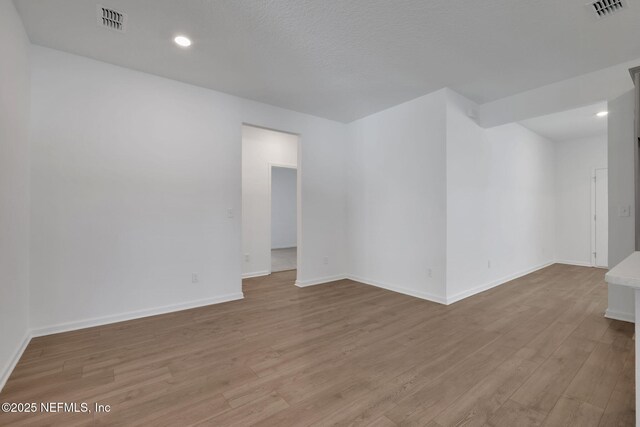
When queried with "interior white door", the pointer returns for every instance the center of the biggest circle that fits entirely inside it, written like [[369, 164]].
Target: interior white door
[[601, 219]]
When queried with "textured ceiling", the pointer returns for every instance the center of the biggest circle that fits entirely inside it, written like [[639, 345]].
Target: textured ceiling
[[346, 59], [572, 124]]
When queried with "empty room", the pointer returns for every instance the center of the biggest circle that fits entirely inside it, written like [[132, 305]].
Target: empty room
[[313, 213]]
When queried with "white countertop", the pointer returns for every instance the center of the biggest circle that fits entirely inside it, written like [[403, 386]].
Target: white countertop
[[627, 273]]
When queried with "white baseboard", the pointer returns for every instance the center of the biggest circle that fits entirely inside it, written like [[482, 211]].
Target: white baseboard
[[620, 315], [255, 274], [105, 320], [466, 294], [418, 294], [8, 369], [319, 281], [576, 263]]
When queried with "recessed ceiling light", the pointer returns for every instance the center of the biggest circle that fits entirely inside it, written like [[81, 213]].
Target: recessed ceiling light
[[602, 113], [182, 41]]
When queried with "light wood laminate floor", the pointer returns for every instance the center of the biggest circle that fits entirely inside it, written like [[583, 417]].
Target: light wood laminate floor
[[535, 351]]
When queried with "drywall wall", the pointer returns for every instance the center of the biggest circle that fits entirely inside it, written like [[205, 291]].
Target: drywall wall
[[621, 194], [441, 208], [14, 188], [262, 148], [397, 198], [576, 160], [132, 180], [579, 91], [283, 207], [500, 201], [126, 210]]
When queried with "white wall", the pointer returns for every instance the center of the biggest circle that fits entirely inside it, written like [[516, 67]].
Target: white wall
[[564, 95], [621, 193], [430, 189], [576, 160], [283, 208], [260, 149], [14, 188], [500, 201], [132, 179], [397, 198], [126, 209]]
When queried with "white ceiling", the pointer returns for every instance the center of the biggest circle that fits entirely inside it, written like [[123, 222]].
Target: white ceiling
[[346, 59], [572, 124]]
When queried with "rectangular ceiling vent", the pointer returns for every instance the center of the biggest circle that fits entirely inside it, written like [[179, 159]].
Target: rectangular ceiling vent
[[603, 8], [111, 19]]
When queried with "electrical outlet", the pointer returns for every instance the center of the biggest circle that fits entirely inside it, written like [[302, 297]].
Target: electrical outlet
[[247, 258], [194, 278], [230, 213], [429, 272], [489, 264], [326, 260]]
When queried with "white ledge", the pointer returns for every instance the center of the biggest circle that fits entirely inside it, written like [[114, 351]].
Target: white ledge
[[627, 273]]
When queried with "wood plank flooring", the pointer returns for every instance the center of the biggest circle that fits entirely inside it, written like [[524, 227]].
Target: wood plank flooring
[[534, 352]]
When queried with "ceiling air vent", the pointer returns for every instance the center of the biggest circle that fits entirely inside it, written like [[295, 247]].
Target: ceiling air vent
[[111, 19], [604, 8]]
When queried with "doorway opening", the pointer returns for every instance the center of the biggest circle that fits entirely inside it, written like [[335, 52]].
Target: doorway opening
[[578, 139], [284, 243], [270, 201]]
